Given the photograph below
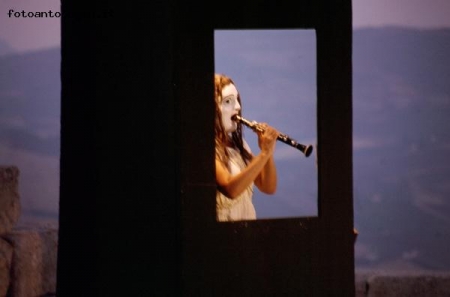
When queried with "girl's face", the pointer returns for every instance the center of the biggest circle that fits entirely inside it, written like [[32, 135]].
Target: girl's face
[[229, 107]]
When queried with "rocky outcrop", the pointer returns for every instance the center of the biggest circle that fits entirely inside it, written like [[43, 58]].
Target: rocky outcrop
[[28, 255], [9, 215], [33, 272], [9, 198], [6, 252], [402, 283]]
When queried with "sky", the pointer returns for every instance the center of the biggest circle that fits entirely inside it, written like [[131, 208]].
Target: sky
[[30, 34], [424, 14]]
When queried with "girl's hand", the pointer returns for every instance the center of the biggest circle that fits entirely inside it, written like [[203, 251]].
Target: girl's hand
[[267, 138]]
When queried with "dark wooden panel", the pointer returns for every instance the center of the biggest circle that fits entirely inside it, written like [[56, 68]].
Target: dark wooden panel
[[293, 257], [137, 173]]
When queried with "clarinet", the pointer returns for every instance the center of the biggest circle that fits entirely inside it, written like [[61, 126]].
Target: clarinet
[[305, 149]]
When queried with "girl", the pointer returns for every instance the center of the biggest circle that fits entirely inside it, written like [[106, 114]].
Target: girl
[[237, 169]]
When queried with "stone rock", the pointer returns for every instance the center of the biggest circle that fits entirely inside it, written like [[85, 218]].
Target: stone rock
[[9, 198], [420, 285], [34, 262], [6, 252], [361, 284]]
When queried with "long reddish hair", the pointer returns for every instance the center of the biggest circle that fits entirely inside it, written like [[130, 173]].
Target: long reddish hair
[[223, 139]]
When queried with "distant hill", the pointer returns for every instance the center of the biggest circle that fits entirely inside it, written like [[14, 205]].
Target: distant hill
[[5, 48], [401, 130], [30, 102], [30, 88], [401, 95]]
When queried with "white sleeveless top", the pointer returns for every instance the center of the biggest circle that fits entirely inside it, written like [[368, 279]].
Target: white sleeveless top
[[240, 208]]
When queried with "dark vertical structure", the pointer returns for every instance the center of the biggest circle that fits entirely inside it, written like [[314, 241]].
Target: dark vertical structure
[[137, 209], [119, 198], [285, 257]]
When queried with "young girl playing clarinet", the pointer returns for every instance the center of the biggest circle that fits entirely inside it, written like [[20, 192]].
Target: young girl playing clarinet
[[237, 168]]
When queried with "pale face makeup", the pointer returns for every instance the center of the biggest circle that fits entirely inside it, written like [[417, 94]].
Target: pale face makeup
[[229, 107]]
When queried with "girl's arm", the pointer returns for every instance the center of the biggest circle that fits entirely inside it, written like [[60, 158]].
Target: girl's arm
[[267, 179], [233, 186], [260, 170]]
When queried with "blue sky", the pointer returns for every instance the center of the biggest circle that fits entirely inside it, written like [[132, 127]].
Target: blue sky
[[407, 13], [32, 34]]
